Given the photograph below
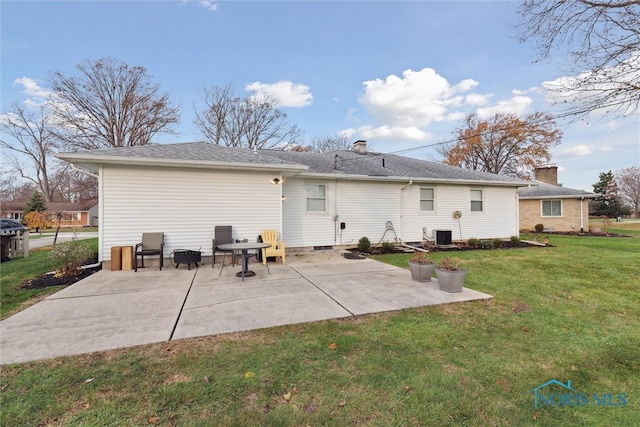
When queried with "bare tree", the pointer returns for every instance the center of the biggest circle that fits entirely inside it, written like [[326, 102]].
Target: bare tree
[[76, 187], [110, 104], [601, 40], [504, 144], [628, 183], [330, 143], [13, 190], [252, 122], [28, 134]]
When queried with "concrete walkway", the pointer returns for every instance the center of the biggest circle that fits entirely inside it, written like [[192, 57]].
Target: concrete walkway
[[114, 309]]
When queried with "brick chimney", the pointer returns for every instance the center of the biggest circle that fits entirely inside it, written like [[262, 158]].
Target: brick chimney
[[360, 146], [547, 174]]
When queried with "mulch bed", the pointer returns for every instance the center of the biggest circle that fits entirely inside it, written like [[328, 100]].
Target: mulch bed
[[47, 280]]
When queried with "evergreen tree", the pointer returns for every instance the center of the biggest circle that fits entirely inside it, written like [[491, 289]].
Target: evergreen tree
[[607, 203], [36, 203]]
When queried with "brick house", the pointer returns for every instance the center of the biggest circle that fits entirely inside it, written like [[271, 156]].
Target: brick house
[[73, 214], [557, 208]]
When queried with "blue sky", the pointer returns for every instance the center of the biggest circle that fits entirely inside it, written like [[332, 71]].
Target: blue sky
[[399, 74]]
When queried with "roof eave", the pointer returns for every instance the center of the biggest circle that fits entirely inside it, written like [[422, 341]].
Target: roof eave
[[404, 179], [93, 163]]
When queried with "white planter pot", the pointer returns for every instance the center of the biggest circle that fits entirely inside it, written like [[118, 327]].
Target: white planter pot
[[450, 280], [421, 271]]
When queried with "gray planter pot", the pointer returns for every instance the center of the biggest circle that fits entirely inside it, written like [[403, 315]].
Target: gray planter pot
[[421, 271], [450, 280]]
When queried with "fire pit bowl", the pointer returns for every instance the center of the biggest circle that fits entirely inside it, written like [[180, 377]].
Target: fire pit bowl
[[186, 256]]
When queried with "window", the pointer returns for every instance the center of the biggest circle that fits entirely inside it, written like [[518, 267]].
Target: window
[[427, 199], [552, 208], [476, 201], [316, 197]]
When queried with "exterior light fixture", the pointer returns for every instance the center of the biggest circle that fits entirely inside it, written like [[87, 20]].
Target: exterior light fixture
[[276, 181]]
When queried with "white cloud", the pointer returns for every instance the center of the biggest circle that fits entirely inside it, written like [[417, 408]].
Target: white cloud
[[286, 94], [476, 99], [416, 99], [32, 88], [405, 133], [209, 5], [588, 86], [578, 150], [515, 105], [585, 150]]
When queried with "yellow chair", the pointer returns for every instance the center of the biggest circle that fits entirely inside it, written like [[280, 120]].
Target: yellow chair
[[275, 250]]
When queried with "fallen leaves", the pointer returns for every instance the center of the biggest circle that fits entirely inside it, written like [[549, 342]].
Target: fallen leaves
[[249, 375], [333, 346]]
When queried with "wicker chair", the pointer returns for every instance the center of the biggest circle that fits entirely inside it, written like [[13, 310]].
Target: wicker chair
[[152, 244], [222, 235], [277, 249]]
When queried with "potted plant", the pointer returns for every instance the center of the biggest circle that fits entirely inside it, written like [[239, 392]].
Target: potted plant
[[450, 275], [421, 267]]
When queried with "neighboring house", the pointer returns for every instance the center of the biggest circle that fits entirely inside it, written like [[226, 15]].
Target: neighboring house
[[315, 200], [73, 214], [557, 208]]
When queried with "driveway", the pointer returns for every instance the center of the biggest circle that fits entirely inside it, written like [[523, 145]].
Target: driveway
[[46, 239], [115, 309]]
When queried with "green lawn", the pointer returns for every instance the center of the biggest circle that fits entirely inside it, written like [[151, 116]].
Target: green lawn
[[15, 272], [567, 312]]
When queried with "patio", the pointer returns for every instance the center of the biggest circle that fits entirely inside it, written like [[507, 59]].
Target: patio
[[118, 309]]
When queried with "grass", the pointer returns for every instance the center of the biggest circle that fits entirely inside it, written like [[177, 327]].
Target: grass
[[567, 312], [15, 272]]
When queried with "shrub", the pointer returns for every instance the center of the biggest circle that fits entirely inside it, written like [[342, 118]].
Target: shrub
[[364, 245], [487, 244], [69, 256], [450, 264], [539, 228], [515, 240], [420, 258], [387, 247], [497, 242], [474, 243]]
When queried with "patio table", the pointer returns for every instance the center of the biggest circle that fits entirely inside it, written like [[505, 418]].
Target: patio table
[[243, 248]]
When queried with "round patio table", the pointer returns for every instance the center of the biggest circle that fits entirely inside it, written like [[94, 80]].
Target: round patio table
[[244, 248]]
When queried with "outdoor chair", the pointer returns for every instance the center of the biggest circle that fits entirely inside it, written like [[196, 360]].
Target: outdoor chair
[[152, 244], [222, 236], [277, 249]]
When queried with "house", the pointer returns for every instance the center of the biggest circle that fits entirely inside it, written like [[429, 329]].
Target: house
[[557, 208], [315, 200], [73, 214]]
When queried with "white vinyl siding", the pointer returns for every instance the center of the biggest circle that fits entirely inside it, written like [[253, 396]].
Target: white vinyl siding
[[551, 208], [477, 200], [185, 204], [427, 199]]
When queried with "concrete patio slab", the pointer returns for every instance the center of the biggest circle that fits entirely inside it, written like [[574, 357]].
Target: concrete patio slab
[[117, 309]]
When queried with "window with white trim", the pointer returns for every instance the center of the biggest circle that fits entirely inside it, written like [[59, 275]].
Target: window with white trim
[[552, 208], [316, 198], [427, 199], [477, 202]]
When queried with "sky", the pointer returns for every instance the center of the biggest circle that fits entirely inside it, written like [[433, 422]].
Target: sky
[[399, 74]]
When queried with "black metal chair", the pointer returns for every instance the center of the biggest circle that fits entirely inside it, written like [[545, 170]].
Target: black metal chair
[[222, 236], [152, 244]]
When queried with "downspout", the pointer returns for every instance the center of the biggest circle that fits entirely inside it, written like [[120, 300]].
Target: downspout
[[402, 209], [336, 217], [581, 215]]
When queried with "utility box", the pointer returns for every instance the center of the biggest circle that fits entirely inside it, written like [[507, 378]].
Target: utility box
[[443, 237]]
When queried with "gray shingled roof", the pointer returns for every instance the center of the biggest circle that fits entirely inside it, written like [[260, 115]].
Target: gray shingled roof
[[346, 162], [543, 191], [384, 165], [196, 151]]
